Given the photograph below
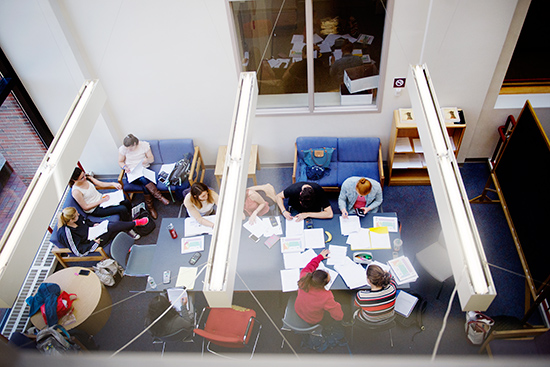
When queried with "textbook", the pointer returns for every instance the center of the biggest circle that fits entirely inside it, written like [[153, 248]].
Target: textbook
[[402, 270], [404, 303]]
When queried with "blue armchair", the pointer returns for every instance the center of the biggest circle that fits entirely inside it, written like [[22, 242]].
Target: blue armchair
[[361, 156]]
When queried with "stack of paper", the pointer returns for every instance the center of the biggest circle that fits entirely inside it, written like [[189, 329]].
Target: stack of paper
[[139, 171], [333, 275], [404, 303], [338, 254], [403, 145], [354, 275], [370, 238], [193, 228], [292, 244], [314, 238], [289, 279], [390, 222], [186, 278], [298, 260], [294, 228], [175, 296], [115, 198], [349, 225], [96, 231], [192, 244], [402, 270]]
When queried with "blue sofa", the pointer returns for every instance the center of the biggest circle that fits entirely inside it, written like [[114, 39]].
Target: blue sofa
[[166, 152], [361, 156], [64, 255]]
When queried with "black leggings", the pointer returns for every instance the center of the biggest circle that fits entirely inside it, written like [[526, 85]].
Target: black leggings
[[123, 209]]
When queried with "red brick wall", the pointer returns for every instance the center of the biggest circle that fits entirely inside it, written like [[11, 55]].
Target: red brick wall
[[19, 143]]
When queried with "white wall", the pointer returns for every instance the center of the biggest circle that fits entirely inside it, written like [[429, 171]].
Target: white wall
[[168, 70]]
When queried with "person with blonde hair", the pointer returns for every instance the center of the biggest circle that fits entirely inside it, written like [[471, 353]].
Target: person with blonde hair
[[200, 202], [378, 303], [313, 299], [359, 194], [72, 231], [133, 152]]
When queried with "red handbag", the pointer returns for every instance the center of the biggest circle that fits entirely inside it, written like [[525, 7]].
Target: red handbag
[[64, 305]]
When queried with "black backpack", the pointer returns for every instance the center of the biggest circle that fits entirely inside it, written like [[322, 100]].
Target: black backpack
[[149, 227], [180, 173], [415, 318]]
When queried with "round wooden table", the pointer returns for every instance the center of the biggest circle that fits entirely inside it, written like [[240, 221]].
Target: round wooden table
[[92, 297]]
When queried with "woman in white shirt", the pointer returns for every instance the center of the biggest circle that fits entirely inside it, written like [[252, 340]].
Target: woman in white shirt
[[200, 202], [132, 153]]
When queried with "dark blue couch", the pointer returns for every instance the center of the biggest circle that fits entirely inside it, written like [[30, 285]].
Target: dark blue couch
[[166, 152], [361, 156]]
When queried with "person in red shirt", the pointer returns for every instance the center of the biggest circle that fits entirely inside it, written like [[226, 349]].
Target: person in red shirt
[[313, 299]]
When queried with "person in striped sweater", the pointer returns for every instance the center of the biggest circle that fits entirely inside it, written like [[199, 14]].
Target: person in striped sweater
[[377, 304]]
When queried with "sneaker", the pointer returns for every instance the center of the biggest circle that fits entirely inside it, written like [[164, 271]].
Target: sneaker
[[141, 222], [134, 235]]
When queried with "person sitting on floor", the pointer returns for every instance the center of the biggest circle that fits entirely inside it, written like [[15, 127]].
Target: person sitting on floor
[[313, 299], [200, 202], [73, 231], [377, 304]]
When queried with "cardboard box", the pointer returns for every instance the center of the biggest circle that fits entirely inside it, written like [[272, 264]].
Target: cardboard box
[[360, 98], [361, 78]]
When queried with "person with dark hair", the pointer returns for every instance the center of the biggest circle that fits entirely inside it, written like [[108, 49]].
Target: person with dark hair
[[377, 304], [72, 231], [306, 200], [359, 194], [84, 191], [313, 299], [134, 152], [173, 321], [200, 202], [348, 60]]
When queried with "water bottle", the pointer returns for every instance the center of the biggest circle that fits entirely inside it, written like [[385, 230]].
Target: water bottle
[[172, 231], [151, 282]]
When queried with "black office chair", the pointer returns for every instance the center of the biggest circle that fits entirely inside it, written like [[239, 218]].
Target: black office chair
[[384, 325], [293, 322], [185, 335]]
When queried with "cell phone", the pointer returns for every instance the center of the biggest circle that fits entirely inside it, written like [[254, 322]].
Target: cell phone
[[83, 272], [166, 277], [360, 212], [309, 223], [253, 238], [273, 221], [195, 258]]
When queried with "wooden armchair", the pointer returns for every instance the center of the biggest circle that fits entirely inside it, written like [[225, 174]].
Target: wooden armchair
[[529, 340], [65, 256]]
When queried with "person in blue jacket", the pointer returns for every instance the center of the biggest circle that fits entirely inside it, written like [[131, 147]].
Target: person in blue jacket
[[359, 194]]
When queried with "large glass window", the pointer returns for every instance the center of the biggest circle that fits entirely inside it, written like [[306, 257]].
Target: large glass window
[[345, 48]]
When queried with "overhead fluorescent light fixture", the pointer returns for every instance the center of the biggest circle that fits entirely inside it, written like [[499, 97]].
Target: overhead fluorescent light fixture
[[224, 249], [474, 282], [26, 229]]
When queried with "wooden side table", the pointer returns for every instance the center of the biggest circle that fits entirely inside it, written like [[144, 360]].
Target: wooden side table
[[91, 298], [253, 164]]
